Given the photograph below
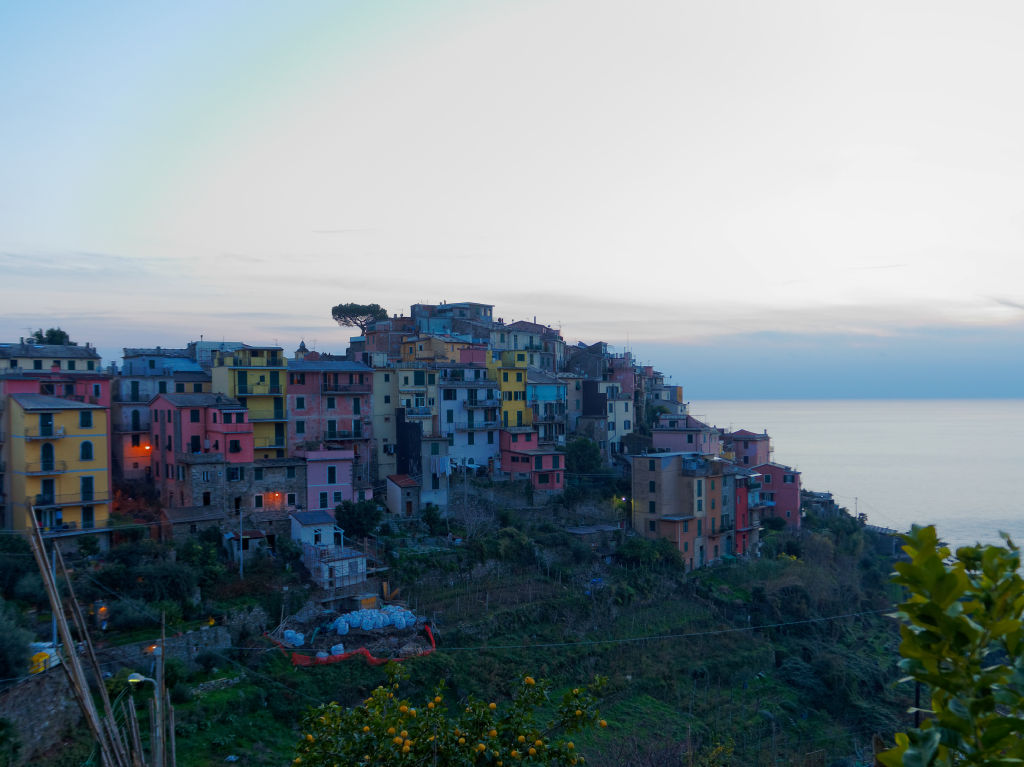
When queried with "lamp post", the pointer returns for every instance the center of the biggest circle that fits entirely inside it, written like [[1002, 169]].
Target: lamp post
[[157, 727]]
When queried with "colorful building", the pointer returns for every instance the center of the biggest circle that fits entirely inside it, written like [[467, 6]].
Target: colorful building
[[780, 492], [56, 454], [748, 448], [256, 377], [522, 457], [509, 370], [684, 433]]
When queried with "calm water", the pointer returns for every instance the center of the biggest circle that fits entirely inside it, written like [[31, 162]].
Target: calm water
[[951, 463]]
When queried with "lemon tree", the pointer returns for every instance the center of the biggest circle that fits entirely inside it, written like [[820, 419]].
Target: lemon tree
[[387, 729], [962, 638]]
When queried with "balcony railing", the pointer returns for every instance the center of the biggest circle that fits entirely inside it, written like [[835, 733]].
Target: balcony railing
[[243, 390], [343, 434], [352, 388], [67, 499], [267, 417], [45, 432], [46, 467], [418, 412], [73, 528], [267, 443], [480, 425], [481, 403]]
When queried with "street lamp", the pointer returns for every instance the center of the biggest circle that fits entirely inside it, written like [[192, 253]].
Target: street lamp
[[135, 679]]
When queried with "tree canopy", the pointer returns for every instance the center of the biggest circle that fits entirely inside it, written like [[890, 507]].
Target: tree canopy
[[963, 641], [52, 336], [358, 518], [358, 315]]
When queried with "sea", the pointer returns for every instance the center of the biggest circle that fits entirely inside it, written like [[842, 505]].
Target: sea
[[951, 463]]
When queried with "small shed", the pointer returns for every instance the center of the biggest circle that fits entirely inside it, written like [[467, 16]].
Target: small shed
[[403, 496]]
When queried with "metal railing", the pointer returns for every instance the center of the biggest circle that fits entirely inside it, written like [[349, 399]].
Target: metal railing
[[45, 432], [67, 499], [352, 388], [46, 467]]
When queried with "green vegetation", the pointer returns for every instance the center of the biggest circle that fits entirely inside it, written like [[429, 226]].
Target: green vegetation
[[386, 729], [963, 639], [54, 336]]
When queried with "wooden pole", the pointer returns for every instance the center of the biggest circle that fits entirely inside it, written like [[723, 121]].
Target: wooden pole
[[172, 750], [83, 632], [72, 665]]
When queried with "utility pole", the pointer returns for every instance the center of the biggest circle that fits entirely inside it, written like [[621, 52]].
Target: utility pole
[[241, 538]]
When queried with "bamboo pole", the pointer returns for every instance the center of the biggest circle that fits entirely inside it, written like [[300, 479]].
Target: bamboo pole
[[72, 664], [120, 756]]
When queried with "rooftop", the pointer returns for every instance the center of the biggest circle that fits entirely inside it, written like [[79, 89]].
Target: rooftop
[[59, 351], [46, 402]]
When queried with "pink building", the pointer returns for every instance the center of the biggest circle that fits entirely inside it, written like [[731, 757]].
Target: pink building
[[523, 458], [749, 449], [328, 478], [330, 406], [685, 434], [186, 426], [780, 492]]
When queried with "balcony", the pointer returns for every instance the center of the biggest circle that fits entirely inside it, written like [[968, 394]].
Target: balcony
[[270, 443], [479, 425], [352, 388], [58, 528], [343, 434], [277, 415], [45, 432], [418, 412], [42, 468], [67, 499], [258, 389], [477, 403]]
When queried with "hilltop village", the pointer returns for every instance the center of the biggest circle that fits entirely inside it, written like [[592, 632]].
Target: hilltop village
[[262, 444]]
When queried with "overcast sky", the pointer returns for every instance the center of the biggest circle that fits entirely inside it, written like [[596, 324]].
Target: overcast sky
[[716, 185]]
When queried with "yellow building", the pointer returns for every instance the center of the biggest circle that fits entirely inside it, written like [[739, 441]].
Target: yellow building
[[430, 348], [57, 454], [508, 369], [255, 376], [417, 393]]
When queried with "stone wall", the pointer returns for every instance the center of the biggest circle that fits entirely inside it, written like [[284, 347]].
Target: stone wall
[[43, 710], [184, 647]]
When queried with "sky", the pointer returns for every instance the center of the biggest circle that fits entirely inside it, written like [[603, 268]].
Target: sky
[[786, 199]]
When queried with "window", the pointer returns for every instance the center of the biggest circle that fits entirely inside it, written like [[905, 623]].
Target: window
[[686, 526], [85, 419], [504, 376], [234, 473], [490, 438], [207, 498], [330, 403], [689, 438], [323, 500], [650, 465], [136, 440], [538, 462], [449, 416], [88, 520], [767, 479], [71, 364], [162, 387], [712, 508], [37, 364], [418, 378], [257, 474], [152, 364], [387, 377], [290, 472], [300, 403], [448, 394], [90, 365], [471, 438], [300, 427], [193, 416], [257, 501], [627, 425], [698, 526], [700, 507], [652, 526], [356, 406], [556, 462], [85, 452], [435, 449], [519, 376], [387, 399], [197, 388], [651, 507], [651, 485], [86, 487], [206, 476], [332, 475], [788, 479], [337, 497], [179, 388], [544, 479], [234, 446]]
